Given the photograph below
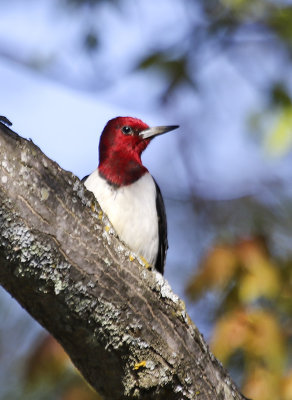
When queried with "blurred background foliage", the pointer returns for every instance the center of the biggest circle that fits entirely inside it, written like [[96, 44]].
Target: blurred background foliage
[[252, 331], [240, 233]]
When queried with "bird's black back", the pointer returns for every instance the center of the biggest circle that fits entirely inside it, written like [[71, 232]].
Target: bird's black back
[[162, 231]]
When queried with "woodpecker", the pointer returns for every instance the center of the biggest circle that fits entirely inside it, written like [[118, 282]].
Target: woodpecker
[[126, 191]]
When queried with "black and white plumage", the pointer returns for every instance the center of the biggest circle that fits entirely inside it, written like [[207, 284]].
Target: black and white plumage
[[142, 223], [126, 191]]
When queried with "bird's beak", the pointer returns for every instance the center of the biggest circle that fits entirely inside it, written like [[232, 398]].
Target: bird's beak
[[156, 130]]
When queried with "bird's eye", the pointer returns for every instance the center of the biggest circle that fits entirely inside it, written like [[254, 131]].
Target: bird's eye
[[127, 130]]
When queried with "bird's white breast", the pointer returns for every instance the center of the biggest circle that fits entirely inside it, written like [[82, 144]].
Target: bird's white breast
[[131, 210]]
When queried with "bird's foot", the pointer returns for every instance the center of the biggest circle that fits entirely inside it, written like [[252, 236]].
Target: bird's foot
[[141, 260], [145, 263]]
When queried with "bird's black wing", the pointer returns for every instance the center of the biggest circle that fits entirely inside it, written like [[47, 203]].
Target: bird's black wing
[[162, 231]]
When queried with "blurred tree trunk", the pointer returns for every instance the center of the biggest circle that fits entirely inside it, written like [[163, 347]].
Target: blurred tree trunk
[[122, 326]]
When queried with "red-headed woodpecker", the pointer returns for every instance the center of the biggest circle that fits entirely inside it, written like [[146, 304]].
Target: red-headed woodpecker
[[126, 191]]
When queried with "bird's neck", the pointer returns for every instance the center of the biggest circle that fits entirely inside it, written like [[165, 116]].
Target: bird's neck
[[121, 169]]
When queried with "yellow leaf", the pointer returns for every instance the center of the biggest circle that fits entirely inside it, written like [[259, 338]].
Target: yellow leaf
[[261, 385], [48, 360], [230, 334], [265, 340], [286, 387], [256, 333], [216, 270], [261, 279], [260, 276]]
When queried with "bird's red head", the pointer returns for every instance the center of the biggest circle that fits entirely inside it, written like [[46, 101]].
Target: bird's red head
[[121, 144]]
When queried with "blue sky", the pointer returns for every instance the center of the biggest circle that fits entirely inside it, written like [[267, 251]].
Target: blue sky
[[69, 108]]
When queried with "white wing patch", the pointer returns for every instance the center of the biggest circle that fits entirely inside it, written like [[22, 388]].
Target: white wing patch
[[131, 210]]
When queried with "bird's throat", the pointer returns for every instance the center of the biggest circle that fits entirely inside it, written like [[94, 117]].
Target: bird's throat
[[121, 171]]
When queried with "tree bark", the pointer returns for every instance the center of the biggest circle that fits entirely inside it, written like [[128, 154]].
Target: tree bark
[[121, 324]]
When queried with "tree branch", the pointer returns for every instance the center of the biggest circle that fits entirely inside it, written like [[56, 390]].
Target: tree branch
[[121, 324]]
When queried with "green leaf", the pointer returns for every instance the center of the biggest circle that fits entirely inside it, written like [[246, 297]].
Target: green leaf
[[279, 139]]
